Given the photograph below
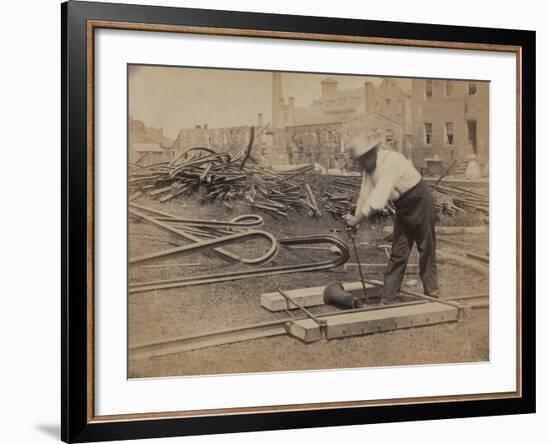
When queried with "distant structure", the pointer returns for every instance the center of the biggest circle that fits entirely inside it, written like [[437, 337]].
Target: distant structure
[[142, 139], [318, 133], [276, 97], [424, 119], [432, 122], [155, 153], [451, 120]]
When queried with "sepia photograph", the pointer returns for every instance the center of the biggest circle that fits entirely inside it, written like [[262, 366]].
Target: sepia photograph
[[288, 221]]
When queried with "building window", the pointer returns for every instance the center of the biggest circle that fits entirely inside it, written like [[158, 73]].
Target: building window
[[428, 133], [388, 102], [449, 88], [400, 107], [376, 107], [472, 89], [429, 89], [449, 137]]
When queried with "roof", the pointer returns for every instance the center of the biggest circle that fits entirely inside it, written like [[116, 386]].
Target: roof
[[372, 114], [313, 116], [147, 146]]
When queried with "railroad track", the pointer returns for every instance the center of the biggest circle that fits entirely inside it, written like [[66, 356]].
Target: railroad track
[[264, 330], [474, 301], [230, 336]]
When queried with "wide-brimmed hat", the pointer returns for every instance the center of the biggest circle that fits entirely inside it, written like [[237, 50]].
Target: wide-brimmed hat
[[362, 144]]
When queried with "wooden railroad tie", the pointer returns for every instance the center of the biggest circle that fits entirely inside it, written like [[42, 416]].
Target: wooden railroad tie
[[373, 321]]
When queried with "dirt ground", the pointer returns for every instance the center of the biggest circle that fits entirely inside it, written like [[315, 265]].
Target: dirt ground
[[164, 314]]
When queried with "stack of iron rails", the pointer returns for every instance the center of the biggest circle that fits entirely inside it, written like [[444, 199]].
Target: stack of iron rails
[[340, 193], [225, 177], [278, 192], [452, 199]]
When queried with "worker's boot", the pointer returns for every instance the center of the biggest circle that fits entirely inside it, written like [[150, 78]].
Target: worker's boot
[[390, 301], [433, 294]]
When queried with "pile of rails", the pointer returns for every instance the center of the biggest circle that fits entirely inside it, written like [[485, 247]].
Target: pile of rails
[[339, 194], [226, 177], [451, 200]]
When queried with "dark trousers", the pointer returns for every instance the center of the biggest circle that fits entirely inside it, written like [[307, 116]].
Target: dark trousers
[[414, 223]]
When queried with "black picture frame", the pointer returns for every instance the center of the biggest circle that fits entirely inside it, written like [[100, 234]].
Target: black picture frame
[[77, 424]]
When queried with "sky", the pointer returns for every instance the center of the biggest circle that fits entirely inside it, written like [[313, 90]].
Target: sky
[[174, 97]]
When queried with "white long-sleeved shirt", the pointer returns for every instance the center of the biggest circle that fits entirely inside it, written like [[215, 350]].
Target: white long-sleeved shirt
[[392, 176]]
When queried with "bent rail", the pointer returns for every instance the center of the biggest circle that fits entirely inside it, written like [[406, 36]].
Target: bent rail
[[341, 259], [197, 236], [216, 242]]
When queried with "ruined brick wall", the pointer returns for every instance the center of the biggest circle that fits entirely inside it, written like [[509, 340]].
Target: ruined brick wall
[[219, 139], [269, 146], [314, 144]]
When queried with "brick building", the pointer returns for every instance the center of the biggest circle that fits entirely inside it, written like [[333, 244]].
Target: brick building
[[420, 118], [319, 132], [450, 120]]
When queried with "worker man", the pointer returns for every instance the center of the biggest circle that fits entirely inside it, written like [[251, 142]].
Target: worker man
[[389, 176]]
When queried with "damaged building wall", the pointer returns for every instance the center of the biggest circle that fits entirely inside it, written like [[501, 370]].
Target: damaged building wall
[[314, 144], [269, 145], [215, 138]]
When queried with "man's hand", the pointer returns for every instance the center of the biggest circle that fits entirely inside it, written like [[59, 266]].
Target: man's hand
[[350, 220]]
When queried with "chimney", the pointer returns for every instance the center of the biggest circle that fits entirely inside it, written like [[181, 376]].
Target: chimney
[[205, 126], [369, 97], [291, 102], [281, 103], [276, 95], [260, 122]]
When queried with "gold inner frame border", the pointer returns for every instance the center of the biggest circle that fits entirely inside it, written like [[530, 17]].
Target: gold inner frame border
[[92, 25]]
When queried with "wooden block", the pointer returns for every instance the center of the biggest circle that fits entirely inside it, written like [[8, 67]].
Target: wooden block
[[375, 321], [312, 296], [307, 330]]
